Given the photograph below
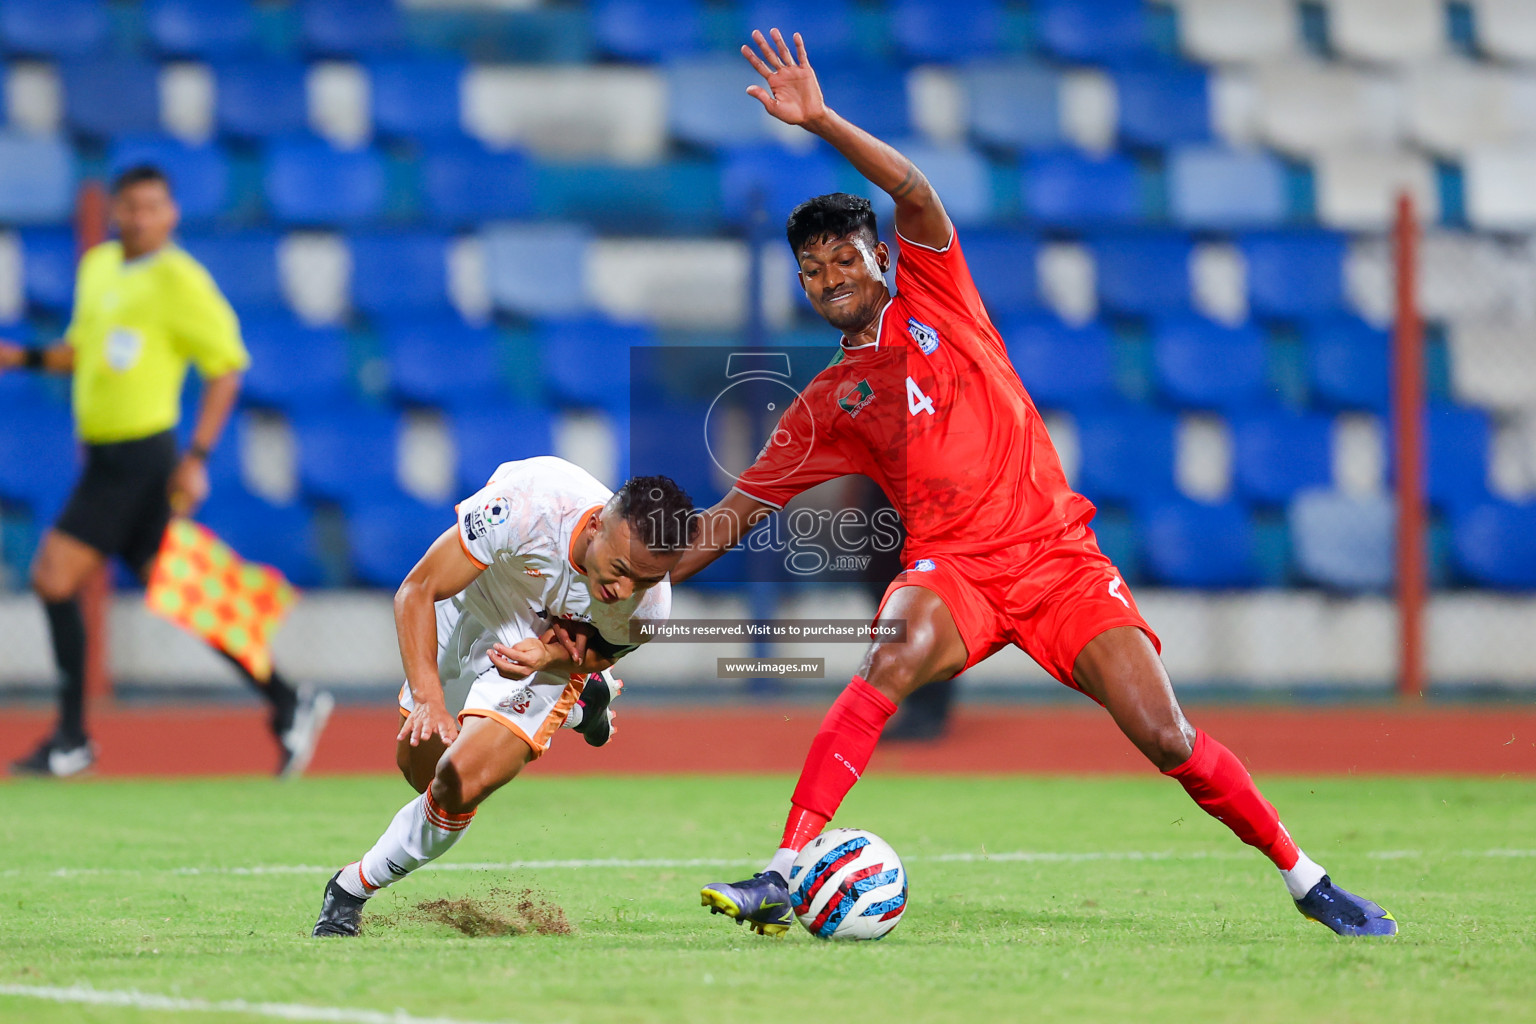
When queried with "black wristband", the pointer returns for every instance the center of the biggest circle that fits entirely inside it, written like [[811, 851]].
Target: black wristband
[[33, 360], [198, 452]]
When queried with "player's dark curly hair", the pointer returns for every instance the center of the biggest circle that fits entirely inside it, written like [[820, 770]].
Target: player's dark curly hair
[[138, 174], [830, 216], [658, 511]]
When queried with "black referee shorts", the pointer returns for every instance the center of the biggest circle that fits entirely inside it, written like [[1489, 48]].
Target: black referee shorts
[[120, 505]]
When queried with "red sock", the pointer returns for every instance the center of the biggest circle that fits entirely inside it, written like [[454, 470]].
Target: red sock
[[1218, 782], [838, 756]]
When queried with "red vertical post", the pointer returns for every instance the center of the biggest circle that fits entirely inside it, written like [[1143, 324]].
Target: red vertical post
[[96, 595], [1408, 418]]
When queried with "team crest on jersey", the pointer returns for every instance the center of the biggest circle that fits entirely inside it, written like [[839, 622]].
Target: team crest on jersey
[[860, 395], [923, 565], [497, 510], [926, 337], [518, 702]]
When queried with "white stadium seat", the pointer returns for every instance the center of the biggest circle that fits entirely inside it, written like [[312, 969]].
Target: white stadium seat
[[1501, 187], [1506, 28], [34, 97], [1387, 30], [1491, 364], [1462, 277], [1455, 105], [682, 283], [1230, 31], [187, 100], [1306, 107], [315, 269], [599, 113], [1357, 189], [338, 98]]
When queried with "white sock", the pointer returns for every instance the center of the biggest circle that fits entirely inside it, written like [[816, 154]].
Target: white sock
[[782, 861], [574, 717], [1300, 879], [420, 832]]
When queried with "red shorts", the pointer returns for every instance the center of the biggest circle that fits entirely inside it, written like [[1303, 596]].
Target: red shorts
[[1049, 599]]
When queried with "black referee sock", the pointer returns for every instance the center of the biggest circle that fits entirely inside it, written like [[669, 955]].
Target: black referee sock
[[67, 628], [277, 692]]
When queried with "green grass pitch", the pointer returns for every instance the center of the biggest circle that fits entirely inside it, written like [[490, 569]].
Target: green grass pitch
[[1151, 912]]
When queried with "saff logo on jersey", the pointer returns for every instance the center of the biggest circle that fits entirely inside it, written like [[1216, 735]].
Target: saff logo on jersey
[[857, 398], [926, 337]]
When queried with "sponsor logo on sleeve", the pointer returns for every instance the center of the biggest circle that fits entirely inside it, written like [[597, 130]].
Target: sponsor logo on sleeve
[[926, 337], [859, 396], [473, 525]]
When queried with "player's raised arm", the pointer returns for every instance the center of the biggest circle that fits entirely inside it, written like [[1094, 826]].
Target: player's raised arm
[[793, 95], [720, 529], [443, 571]]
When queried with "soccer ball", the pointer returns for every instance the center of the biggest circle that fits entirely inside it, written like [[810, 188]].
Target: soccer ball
[[848, 884]]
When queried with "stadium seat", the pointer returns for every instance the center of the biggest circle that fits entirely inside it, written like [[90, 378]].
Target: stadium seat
[[1454, 106], [351, 28], [648, 30], [488, 435], [294, 366], [199, 174], [1276, 454], [310, 182], [417, 97], [1491, 363], [1127, 454], [1498, 187], [1163, 104], [957, 172], [1219, 31], [1002, 263], [1494, 543], [54, 28], [1387, 30], [572, 347], [1014, 104], [388, 531], [872, 96], [37, 453], [243, 265], [1071, 189], [1295, 274], [829, 28], [1213, 187], [1357, 188], [1144, 274], [48, 267], [1505, 28], [1205, 365], [1187, 544], [1094, 30], [1341, 541], [346, 451], [1308, 106], [260, 99], [440, 360], [464, 183], [670, 437], [110, 97], [1458, 443], [671, 196], [37, 179], [394, 273], [282, 536], [1347, 364], [945, 30], [207, 29], [779, 178], [1062, 366], [536, 269], [706, 104]]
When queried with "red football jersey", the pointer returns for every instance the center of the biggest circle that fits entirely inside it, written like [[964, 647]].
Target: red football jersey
[[934, 413]]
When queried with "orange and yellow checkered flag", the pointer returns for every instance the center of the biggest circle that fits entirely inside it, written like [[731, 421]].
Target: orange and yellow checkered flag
[[202, 585]]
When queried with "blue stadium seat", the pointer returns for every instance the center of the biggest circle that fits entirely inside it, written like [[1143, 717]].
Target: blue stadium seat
[[38, 454], [1071, 189], [199, 174], [37, 179], [1458, 442], [1218, 188], [388, 532], [260, 99], [673, 195], [48, 267], [782, 178], [827, 26], [669, 438], [1188, 544], [1295, 273], [946, 30], [1163, 104], [54, 28], [346, 451], [395, 273], [488, 435], [244, 265], [1341, 541], [647, 30], [571, 347], [1275, 454], [707, 105], [110, 97], [1102, 31], [872, 96], [282, 536], [442, 361], [1144, 274], [1127, 454], [1002, 263], [1205, 365], [351, 28], [1495, 544], [1014, 104], [209, 29], [1347, 364], [294, 366], [310, 182], [959, 173], [536, 269], [1062, 366], [417, 97], [464, 183]]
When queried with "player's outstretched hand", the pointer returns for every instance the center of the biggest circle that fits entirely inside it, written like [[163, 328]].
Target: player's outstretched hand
[[572, 636], [522, 659], [429, 717], [793, 95]]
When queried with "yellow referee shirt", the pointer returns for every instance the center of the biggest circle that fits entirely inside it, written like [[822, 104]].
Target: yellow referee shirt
[[136, 325]]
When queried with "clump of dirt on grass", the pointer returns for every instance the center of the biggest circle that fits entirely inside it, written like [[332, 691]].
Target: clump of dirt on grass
[[499, 912]]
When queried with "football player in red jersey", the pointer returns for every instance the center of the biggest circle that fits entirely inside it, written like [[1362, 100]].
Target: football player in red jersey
[[922, 399]]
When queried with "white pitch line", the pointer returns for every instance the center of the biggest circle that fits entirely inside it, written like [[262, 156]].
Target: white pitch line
[[283, 1011]]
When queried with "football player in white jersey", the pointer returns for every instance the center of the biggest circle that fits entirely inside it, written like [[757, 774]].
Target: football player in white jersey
[[487, 681]]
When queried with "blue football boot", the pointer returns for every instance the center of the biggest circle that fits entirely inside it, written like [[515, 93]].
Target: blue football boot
[[1345, 912], [762, 901]]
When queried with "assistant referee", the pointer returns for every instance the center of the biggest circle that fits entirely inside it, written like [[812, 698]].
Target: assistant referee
[[144, 309]]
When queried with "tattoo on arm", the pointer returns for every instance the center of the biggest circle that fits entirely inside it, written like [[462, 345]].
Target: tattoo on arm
[[908, 183]]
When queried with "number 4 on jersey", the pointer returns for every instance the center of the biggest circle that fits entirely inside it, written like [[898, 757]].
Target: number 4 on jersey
[[917, 401]]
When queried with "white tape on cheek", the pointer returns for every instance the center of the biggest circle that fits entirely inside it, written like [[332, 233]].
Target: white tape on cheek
[[870, 263]]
